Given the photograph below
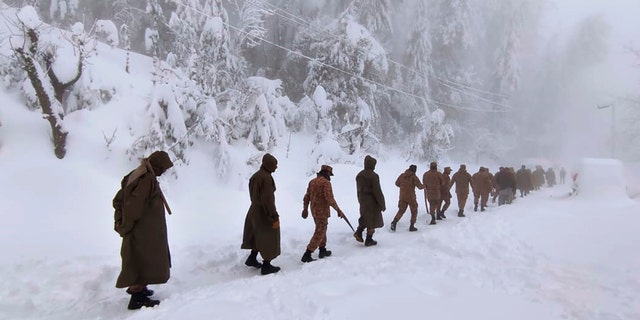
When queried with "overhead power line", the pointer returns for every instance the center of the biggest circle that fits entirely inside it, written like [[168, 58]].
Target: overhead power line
[[297, 53], [446, 82]]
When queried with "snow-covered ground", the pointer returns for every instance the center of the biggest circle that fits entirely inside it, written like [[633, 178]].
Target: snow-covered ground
[[547, 256]]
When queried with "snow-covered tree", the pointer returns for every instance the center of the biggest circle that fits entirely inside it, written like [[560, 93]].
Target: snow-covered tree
[[349, 62], [166, 129], [375, 15], [107, 31], [38, 52], [260, 116], [435, 139], [252, 22]]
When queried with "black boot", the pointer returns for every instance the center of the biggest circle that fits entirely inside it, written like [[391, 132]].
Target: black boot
[[324, 252], [442, 214], [267, 268], [306, 257], [139, 300], [433, 219], [438, 215], [358, 234], [412, 228], [475, 207], [370, 242], [393, 226], [461, 213], [147, 292], [252, 260], [482, 208]]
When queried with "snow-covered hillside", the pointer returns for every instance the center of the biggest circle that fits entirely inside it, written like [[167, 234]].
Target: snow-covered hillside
[[546, 256]]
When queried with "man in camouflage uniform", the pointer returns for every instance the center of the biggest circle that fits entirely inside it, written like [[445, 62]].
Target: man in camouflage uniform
[[485, 186], [407, 182], [320, 195], [433, 182], [445, 193], [462, 180]]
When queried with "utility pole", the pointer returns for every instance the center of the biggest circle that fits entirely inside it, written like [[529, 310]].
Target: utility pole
[[613, 126]]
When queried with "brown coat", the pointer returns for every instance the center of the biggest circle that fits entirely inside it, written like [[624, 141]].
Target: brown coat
[[481, 182], [433, 183], [320, 195], [259, 232], [370, 196], [140, 220], [461, 179], [408, 182]]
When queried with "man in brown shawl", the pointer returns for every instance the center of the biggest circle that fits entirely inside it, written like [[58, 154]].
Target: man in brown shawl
[[371, 202], [262, 223], [140, 221]]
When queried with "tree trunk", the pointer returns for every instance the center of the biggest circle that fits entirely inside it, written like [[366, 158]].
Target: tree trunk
[[59, 135]]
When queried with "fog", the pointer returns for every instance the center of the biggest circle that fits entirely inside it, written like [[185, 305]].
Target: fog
[[496, 81]]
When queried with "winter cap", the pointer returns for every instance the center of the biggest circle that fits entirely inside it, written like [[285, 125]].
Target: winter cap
[[269, 162], [433, 165], [160, 161], [447, 169], [413, 168], [463, 166], [327, 169]]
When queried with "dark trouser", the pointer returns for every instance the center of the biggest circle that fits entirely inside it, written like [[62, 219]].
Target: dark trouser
[[504, 196]]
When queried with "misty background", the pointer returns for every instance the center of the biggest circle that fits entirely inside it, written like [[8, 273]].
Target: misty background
[[497, 81]]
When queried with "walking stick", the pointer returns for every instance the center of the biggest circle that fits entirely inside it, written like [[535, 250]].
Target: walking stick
[[344, 216]]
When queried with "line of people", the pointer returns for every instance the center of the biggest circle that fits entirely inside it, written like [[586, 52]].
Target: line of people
[[140, 212]]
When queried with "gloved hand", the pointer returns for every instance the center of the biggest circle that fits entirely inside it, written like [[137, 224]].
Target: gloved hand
[[305, 213], [384, 208], [276, 224], [340, 214]]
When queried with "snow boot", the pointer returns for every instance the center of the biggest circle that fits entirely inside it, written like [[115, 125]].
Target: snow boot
[[147, 292], [393, 226], [324, 252], [358, 234], [433, 219], [475, 207], [139, 300], [461, 213], [306, 257], [442, 215], [412, 228], [482, 209], [267, 268], [370, 242], [252, 260]]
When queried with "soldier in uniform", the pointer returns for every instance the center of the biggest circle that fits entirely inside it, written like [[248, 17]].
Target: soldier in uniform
[[407, 182], [462, 180], [445, 193], [320, 196], [433, 182]]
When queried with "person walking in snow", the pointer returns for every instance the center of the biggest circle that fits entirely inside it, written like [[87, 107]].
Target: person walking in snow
[[482, 185], [523, 181], [320, 195], [445, 193], [139, 219], [371, 200], [262, 224], [407, 182], [462, 180], [563, 174], [433, 182]]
